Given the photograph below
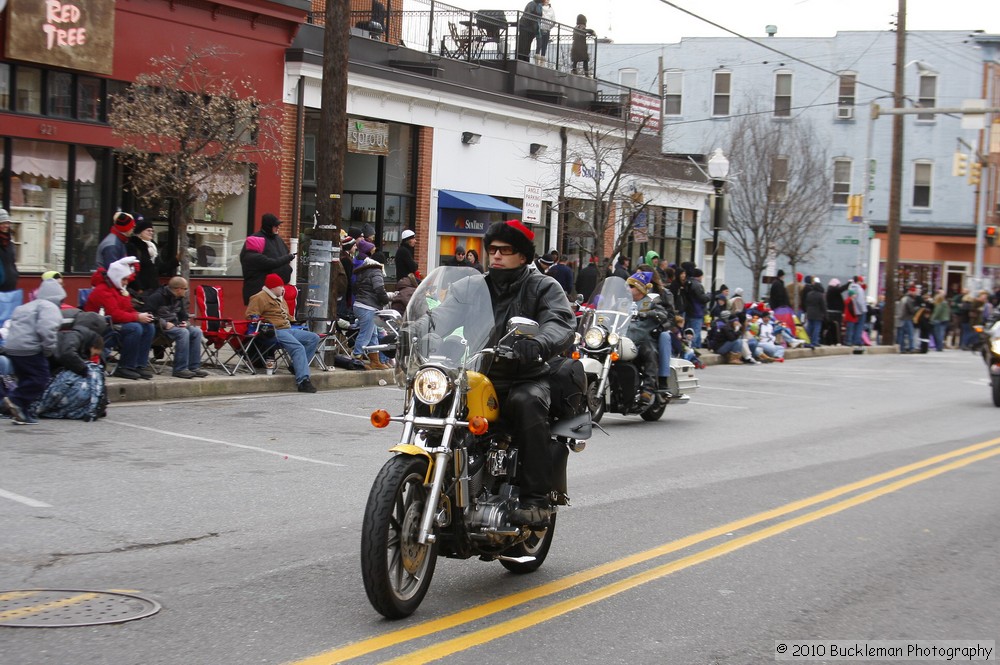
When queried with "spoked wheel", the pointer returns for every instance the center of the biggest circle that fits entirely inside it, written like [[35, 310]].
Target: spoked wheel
[[396, 569], [595, 404], [995, 380], [537, 546], [656, 409]]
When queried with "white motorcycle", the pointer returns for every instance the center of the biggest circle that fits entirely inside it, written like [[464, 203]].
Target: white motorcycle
[[614, 380]]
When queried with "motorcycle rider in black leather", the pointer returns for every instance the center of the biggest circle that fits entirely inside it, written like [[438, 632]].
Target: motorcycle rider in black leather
[[650, 317], [522, 384]]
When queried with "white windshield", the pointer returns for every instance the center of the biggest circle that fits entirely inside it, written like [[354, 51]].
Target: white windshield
[[448, 321]]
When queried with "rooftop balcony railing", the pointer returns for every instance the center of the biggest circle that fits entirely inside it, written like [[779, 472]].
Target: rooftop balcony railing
[[488, 37]]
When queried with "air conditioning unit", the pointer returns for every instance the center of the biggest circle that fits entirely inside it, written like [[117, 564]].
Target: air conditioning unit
[[845, 112]]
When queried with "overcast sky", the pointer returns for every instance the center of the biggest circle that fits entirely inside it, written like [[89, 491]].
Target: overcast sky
[[652, 21]]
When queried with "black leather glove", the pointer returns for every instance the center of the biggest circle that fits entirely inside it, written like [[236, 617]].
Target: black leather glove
[[528, 353]]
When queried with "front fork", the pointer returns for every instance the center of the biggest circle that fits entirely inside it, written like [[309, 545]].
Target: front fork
[[605, 373], [441, 455]]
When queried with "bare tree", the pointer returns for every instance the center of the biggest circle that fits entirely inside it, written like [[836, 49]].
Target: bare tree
[[602, 161], [186, 127], [779, 198]]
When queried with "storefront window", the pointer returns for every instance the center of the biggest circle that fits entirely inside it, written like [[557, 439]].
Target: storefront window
[[38, 204], [4, 87], [29, 90], [89, 101], [60, 95], [218, 230], [85, 223]]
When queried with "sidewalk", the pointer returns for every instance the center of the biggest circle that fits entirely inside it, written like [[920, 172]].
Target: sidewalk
[[164, 386]]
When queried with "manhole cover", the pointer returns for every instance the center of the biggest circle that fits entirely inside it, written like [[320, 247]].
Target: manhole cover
[[64, 608]]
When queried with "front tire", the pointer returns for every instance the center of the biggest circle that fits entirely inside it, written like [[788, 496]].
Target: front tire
[[656, 409], [595, 404], [537, 545], [396, 569], [995, 380]]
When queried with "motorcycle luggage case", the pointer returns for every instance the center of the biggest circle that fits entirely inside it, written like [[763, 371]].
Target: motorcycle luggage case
[[682, 379]]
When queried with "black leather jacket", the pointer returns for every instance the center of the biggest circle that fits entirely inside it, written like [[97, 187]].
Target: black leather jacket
[[539, 297]]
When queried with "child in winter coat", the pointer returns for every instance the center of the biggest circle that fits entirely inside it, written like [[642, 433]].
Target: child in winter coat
[[32, 339]]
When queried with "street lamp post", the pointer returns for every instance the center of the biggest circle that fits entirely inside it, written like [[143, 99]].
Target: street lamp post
[[718, 169]]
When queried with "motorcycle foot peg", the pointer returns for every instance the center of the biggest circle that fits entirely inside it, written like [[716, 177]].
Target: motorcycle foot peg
[[577, 446]]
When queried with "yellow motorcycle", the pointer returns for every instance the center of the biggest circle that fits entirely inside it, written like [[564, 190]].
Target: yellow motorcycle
[[453, 477]]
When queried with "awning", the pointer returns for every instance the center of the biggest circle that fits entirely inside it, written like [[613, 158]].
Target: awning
[[468, 201]]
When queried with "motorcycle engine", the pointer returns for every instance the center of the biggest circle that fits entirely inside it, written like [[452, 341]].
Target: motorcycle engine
[[489, 472]]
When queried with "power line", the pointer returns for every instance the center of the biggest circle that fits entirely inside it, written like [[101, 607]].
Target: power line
[[765, 46]]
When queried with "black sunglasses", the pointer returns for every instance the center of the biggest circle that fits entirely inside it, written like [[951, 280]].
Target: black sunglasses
[[505, 250]]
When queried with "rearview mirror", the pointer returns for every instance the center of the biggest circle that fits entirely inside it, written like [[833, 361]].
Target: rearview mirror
[[522, 327]]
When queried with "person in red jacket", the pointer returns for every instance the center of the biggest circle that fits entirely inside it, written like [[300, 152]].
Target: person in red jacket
[[135, 329]]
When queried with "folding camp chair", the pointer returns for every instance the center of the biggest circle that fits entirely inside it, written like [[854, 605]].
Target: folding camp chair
[[220, 333]]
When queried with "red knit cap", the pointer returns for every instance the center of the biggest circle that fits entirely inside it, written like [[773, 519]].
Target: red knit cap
[[272, 281]]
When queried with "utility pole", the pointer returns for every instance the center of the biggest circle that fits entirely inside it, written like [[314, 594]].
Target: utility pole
[[324, 249], [895, 185]]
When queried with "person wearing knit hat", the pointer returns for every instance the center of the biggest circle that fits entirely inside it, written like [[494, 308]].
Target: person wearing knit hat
[[140, 245], [8, 254], [650, 317], [274, 249], [640, 281], [369, 297], [269, 305], [522, 378], [513, 234], [136, 330], [31, 339], [256, 265], [113, 246], [405, 259]]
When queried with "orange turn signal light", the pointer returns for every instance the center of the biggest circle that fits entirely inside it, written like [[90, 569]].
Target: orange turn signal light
[[614, 356], [380, 418], [478, 425], [575, 355]]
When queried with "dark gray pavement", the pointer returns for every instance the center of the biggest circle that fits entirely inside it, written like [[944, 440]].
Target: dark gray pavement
[[218, 383]]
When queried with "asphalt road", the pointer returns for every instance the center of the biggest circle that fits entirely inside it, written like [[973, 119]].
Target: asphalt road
[[834, 498]]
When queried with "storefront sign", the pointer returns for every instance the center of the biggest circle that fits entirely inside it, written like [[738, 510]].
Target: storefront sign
[[644, 106], [463, 222], [531, 206], [640, 229], [366, 137], [78, 34], [580, 170]]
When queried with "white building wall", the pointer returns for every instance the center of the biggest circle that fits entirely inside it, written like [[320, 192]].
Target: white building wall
[[871, 56]]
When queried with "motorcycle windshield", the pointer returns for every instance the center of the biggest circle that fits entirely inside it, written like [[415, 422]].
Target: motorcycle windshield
[[448, 321], [611, 307]]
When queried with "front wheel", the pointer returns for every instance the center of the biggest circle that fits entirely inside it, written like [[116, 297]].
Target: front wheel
[[656, 409], [396, 569], [537, 546], [595, 402], [995, 380]]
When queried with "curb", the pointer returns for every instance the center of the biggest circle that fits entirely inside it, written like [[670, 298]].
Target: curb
[[710, 358], [217, 383]]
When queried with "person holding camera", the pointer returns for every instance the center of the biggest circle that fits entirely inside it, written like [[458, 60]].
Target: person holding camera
[[264, 253], [169, 305]]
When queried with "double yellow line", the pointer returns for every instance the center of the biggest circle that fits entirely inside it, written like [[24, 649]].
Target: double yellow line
[[941, 464]]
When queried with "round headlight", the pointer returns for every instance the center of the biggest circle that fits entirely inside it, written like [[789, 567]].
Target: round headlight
[[594, 338], [995, 346], [613, 339], [430, 385]]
